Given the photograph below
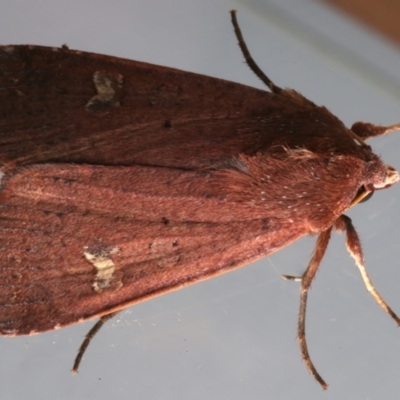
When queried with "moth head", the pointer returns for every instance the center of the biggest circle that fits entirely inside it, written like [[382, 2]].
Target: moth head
[[378, 176]]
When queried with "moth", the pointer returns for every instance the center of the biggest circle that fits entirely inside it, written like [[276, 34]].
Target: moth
[[123, 180]]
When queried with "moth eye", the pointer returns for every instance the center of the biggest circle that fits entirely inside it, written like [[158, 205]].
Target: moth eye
[[363, 195], [367, 197]]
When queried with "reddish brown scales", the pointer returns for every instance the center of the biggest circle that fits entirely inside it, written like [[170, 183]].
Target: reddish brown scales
[[125, 180]]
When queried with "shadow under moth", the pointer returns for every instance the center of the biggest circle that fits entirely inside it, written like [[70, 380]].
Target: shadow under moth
[[123, 180]]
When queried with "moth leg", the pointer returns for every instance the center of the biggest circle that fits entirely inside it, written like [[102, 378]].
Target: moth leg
[[365, 130], [306, 279], [353, 244], [89, 336]]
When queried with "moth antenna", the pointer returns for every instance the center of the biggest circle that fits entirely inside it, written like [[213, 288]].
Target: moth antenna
[[306, 279], [249, 59], [354, 247], [88, 338]]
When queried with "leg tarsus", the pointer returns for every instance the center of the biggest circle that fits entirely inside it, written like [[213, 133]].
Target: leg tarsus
[[354, 247], [301, 336], [89, 336]]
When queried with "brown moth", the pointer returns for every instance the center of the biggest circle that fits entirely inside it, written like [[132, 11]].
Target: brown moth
[[123, 180]]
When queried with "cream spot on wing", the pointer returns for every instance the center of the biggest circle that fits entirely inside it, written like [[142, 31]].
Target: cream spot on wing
[[107, 85], [105, 268]]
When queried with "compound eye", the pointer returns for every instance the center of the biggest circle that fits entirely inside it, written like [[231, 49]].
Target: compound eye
[[366, 198], [362, 195]]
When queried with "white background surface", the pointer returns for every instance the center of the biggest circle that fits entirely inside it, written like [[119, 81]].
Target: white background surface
[[234, 337]]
